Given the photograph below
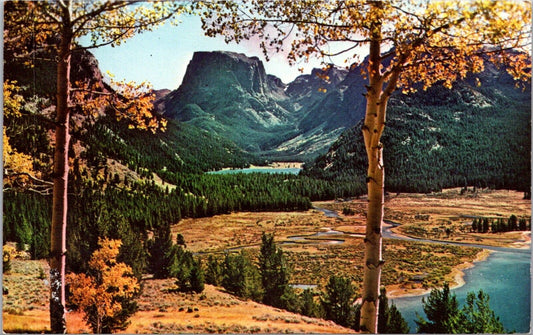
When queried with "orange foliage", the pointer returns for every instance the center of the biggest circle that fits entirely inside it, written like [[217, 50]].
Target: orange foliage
[[109, 283]]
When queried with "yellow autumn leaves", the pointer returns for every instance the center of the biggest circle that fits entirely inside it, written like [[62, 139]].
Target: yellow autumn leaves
[[15, 163], [100, 294]]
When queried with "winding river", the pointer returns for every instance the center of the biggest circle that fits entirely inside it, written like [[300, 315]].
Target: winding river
[[505, 276]]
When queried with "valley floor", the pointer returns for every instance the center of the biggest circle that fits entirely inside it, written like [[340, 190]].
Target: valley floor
[[317, 243]]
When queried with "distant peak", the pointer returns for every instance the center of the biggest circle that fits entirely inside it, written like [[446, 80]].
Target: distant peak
[[220, 53]]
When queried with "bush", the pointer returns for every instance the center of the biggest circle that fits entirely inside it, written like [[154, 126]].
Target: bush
[[348, 211]]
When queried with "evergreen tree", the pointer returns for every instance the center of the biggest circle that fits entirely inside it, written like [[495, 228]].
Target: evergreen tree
[[474, 225], [485, 228], [196, 277], [442, 310], [522, 224], [494, 226], [188, 271], [383, 311], [396, 324], [162, 252], [213, 273], [309, 306], [477, 317], [274, 273], [513, 223], [338, 301], [241, 277], [390, 320], [503, 225]]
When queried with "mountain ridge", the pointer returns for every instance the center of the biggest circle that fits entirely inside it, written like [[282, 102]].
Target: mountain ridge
[[232, 95], [474, 134]]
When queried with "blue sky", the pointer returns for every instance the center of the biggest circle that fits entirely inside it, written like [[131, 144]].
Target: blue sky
[[161, 57]]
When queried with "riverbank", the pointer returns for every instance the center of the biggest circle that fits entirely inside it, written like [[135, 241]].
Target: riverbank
[[455, 279], [505, 277]]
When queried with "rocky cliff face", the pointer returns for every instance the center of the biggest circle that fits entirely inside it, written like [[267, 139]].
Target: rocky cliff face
[[230, 94]]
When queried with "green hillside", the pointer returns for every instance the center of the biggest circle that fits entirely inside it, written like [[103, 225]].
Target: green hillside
[[180, 148], [470, 135]]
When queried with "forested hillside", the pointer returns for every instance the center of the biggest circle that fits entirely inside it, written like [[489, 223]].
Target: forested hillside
[[469, 135], [475, 135], [129, 211]]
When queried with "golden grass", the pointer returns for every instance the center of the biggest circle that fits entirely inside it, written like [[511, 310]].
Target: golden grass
[[215, 234], [214, 311], [35, 321]]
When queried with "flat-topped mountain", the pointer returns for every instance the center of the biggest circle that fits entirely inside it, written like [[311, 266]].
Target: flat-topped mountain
[[231, 95]]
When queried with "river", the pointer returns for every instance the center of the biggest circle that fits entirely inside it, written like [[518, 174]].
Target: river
[[505, 276]]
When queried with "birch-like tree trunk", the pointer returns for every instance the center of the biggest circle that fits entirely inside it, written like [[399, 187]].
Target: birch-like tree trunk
[[58, 231], [373, 127]]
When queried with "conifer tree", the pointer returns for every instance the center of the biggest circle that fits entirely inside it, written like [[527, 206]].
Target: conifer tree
[[442, 312], [241, 277], [477, 317], [163, 254], [213, 273], [197, 277], [309, 306], [390, 320], [475, 225], [522, 225], [274, 272], [338, 301], [485, 228]]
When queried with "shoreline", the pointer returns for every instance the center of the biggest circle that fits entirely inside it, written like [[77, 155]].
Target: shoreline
[[271, 166], [455, 278], [279, 165]]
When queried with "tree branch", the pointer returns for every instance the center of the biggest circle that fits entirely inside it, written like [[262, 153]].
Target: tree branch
[[29, 175]]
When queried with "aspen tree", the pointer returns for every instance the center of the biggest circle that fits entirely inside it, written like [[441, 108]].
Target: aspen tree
[[56, 27], [408, 42]]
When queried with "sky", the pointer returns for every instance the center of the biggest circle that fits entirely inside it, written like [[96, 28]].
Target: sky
[[161, 57]]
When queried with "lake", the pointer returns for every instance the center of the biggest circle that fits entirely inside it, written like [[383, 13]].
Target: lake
[[504, 276], [265, 169]]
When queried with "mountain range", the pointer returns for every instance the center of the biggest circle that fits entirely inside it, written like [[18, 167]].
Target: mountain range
[[476, 134], [228, 112]]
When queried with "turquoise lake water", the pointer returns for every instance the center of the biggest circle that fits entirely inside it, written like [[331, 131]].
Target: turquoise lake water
[[259, 169], [504, 276]]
